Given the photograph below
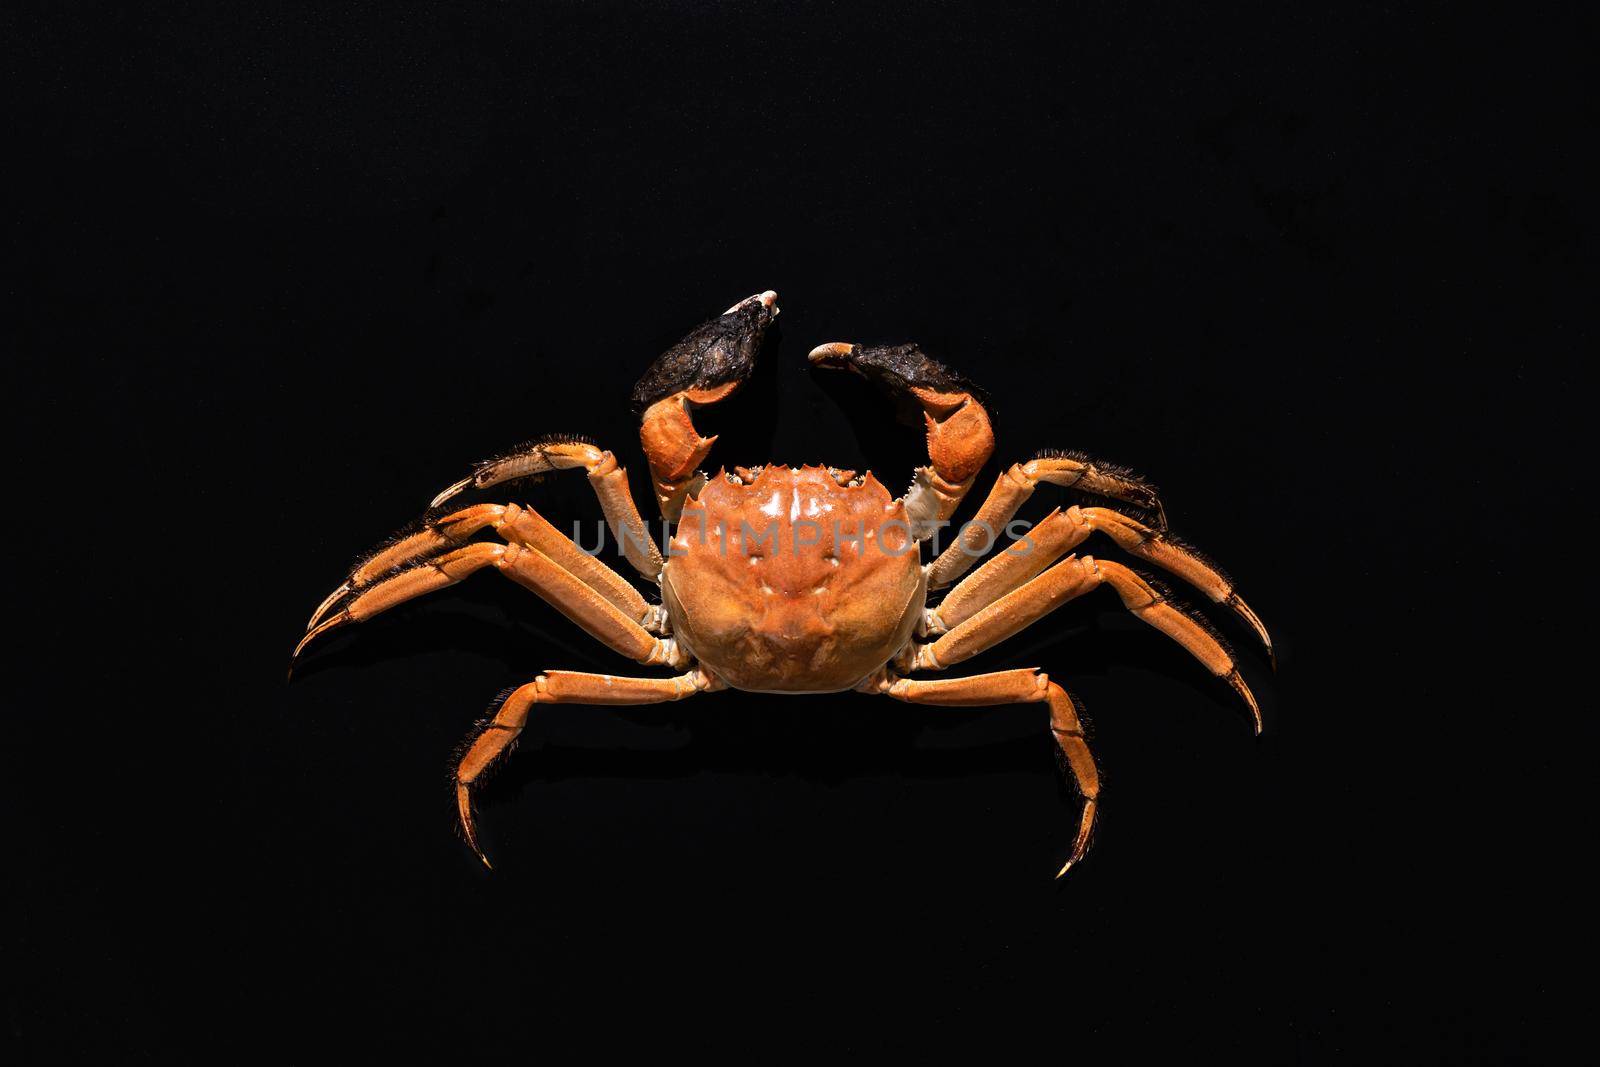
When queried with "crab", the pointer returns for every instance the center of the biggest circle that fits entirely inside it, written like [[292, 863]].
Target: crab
[[785, 580]]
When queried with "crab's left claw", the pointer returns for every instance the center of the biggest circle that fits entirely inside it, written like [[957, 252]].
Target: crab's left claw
[[705, 367]]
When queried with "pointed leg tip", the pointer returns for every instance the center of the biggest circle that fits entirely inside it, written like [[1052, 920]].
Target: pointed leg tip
[[327, 602], [472, 843], [468, 829], [450, 491], [321, 628], [1248, 697], [1080, 845], [1245, 612]]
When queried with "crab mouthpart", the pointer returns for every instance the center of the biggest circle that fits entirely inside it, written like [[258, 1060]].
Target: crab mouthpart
[[768, 299]]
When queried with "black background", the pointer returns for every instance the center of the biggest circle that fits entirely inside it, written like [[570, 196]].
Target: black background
[[277, 277]]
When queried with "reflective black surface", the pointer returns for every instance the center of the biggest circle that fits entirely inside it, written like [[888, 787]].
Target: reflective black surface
[[278, 279]]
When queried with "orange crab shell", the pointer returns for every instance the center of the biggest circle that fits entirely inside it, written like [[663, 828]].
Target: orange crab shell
[[792, 581]]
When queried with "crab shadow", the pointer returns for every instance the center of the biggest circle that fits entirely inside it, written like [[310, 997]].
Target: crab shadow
[[823, 742], [828, 738], [835, 738]]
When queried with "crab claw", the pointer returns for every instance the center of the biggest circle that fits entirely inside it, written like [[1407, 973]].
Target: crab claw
[[894, 368], [704, 368], [718, 353], [960, 438]]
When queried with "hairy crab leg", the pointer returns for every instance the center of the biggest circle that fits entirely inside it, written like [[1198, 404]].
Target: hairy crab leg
[[1014, 486], [609, 479], [706, 367], [1060, 532], [960, 437], [1020, 687], [558, 687], [528, 567], [517, 524], [1066, 581]]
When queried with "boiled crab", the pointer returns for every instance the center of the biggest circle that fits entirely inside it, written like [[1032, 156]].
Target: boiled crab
[[811, 580]]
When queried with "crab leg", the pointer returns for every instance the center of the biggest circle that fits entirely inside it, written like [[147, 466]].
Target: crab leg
[[1066, 581], [704, 368], [1020, 687], [960, 438], [1024, 558], [1060, 532], [520, 525], [558, 687], [610, 482], [1016, 485], [563, 591]]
